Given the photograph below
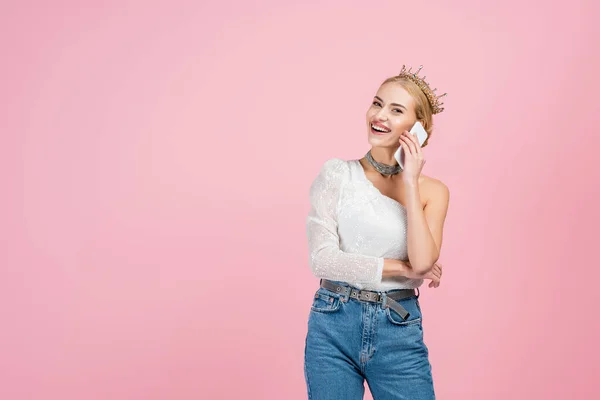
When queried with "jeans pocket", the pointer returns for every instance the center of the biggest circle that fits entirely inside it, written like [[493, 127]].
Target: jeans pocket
[[411, 305], [325, 301]]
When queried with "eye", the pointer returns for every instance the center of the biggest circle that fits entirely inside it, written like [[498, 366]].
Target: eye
[[397, 109], [376, 103]]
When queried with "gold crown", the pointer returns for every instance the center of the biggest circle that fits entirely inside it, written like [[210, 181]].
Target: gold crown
[[434, 100]]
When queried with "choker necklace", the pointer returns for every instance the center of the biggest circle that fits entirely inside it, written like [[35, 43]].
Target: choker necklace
[[383, 169]]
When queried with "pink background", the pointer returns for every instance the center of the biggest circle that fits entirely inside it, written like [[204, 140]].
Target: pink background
[[155, 160]]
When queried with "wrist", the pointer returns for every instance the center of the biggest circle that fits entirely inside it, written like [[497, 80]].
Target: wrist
[[411, 182], [393, 267]]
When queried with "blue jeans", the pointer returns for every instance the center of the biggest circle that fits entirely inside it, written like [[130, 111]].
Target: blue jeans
[[351, 340]]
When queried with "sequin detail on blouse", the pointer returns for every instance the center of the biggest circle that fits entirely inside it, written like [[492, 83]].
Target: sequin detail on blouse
[[352, 227]]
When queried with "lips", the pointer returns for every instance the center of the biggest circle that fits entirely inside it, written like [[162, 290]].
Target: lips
[[379, 129]]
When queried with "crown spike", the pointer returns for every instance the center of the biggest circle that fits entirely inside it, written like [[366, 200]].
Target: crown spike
[[434, 100]]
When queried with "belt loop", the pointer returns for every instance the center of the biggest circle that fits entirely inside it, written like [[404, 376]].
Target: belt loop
[[383, 296], [418, 293], [346, 294]]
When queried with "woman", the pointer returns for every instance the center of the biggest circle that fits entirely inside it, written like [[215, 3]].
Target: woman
[[374, 235]]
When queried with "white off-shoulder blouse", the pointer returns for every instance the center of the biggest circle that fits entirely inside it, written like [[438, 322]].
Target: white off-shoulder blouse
[[352, 227]]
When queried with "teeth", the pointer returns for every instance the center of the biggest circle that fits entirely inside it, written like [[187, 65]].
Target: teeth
[[378, 128]]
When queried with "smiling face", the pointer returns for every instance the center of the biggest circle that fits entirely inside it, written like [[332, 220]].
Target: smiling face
[[391, 113]]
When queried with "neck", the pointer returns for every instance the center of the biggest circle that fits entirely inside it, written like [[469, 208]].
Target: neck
[[384, 155], [389, 169]]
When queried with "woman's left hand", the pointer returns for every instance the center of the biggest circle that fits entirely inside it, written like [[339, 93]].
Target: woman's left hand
[[413, 157], [437, 272]]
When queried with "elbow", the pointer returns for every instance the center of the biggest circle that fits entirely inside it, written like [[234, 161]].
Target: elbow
[[421, 269], [321, 272], [424, 267], [322, 264], [316, 270], [318, 267]]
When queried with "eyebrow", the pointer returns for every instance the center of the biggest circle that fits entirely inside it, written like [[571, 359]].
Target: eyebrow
[[392, 104]]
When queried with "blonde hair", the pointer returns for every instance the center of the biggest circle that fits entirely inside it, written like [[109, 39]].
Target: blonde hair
[[423, 109]]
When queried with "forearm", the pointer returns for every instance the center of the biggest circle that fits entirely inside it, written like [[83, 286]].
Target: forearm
[[329, 262], [394, 267], [422, 250]]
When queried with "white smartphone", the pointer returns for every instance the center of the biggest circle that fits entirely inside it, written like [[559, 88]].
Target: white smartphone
[[421, 133]]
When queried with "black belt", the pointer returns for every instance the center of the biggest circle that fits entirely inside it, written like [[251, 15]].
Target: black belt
[[375, 297]]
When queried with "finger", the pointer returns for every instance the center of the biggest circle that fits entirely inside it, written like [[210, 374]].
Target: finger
[[405, 138], [415, 140], [406, 147], [411, 141], [409, 133], [434, 272], [409, 145], [412, 137], [417, 146]]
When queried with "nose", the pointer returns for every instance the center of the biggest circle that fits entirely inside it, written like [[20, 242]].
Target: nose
[[381, 115]]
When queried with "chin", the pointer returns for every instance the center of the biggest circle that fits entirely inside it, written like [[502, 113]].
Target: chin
[[387, 140]]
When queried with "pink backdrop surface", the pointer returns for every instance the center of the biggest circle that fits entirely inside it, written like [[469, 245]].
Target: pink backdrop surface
[[155, 160]]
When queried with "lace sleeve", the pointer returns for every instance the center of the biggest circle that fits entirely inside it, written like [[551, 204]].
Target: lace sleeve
[[327, 261]]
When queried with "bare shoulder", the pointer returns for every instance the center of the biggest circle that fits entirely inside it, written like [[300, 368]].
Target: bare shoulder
[[433, 188]]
